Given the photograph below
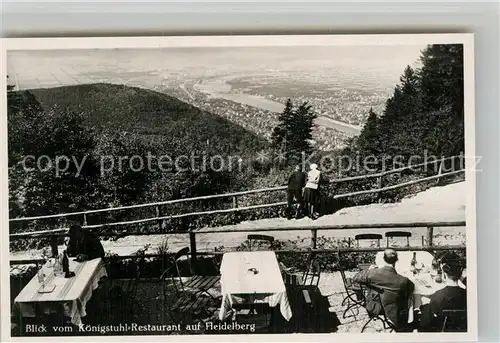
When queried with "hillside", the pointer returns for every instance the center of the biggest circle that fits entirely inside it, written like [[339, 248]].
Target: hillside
[[146, 112], [191, 151]]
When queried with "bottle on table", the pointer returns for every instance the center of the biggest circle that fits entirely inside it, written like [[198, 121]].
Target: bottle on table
[[57, 265], [53, 247], [65, 263], [413, 264]]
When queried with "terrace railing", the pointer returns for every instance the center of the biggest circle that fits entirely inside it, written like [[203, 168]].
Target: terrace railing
[[158, 218]]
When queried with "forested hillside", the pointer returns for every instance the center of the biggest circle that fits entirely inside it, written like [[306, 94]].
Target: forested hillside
[[99, 123], [424, 118]]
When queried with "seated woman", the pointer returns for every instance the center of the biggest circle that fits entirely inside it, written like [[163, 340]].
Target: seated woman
[[451, 297], [83, 244]]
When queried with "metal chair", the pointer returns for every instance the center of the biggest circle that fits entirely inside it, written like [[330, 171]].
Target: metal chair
[[392, 234], [386, 322], [175, 275], [368, 236], [261, 238], [192, 296], [120, 300], [354, 298], [312, 274], [454, 320]]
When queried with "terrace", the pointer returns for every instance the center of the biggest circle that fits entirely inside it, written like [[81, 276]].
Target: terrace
[[136, 292]]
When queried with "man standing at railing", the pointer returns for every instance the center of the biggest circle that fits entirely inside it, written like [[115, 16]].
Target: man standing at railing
[[296, 183]]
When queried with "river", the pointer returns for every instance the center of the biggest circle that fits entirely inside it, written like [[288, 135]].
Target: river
[[219, 88]]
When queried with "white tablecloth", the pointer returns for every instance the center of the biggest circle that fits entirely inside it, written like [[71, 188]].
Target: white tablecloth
[[404, 260], [238, 284], [72, 293], [424, 283]]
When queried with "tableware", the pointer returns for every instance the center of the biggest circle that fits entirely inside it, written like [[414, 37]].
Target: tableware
[[47, 288]]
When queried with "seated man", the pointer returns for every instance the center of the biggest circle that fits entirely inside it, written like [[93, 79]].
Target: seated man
[[83, 244], [396, 291], [451, 297]]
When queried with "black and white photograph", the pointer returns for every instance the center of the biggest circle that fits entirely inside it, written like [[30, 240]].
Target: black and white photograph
[[240, 185]]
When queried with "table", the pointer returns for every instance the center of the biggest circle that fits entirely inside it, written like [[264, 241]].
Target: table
[[71, 295], [266, 286], [424, 283], [404, 260]]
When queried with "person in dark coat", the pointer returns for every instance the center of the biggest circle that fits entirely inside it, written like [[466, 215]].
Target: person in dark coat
[[451, 297], [396, 291], [296, 183], [83, 244]]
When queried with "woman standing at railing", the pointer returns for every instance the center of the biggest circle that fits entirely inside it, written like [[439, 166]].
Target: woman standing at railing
[[311, 191]]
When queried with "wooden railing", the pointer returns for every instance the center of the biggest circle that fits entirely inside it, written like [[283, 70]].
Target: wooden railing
[[426, 240], [159, 218]]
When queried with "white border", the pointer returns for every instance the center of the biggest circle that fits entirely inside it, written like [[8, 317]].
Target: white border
[[257, 40]]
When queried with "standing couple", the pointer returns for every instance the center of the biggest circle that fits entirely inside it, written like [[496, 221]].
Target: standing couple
[[303, 190]]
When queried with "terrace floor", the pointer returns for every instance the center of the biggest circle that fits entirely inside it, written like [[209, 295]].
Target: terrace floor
[[148, 308]]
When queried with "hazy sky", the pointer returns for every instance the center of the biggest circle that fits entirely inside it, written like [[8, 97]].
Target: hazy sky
[[57, 67]]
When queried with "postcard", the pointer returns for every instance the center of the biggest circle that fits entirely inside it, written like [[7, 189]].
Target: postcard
[[239, 188]]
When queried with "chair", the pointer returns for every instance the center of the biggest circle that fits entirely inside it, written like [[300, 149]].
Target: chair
[[392, 234], [368, 236], [249, 311], [191, 296], [364, 266], [120, 295], [312, 274], [196, 283], [386, 322], [354, 296], [260, 238], [454, 320]]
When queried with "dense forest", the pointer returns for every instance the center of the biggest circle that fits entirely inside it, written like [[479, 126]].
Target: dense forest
[[87, 122]]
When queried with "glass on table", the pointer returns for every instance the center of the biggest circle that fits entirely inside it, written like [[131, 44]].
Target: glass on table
[[418, 267], [46, 256]]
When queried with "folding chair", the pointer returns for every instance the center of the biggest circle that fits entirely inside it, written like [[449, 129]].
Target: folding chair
[[191, 296], [386, 322], [250, 311], [196, 283], [392, 234], [120, 300], [354, 298], [312, 274], [368, 236], [261, 238], [454, 320]]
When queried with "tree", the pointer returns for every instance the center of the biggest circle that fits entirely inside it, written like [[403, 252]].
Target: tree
[[293, 135], [368, 140], [283, 130], [442, 87]]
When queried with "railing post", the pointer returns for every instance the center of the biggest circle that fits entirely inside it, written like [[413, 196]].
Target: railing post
[[440, 171], [430, 235], [158, 215], [314, 237], [235, 201], [84, 219], [192, 242], [379, 186]]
